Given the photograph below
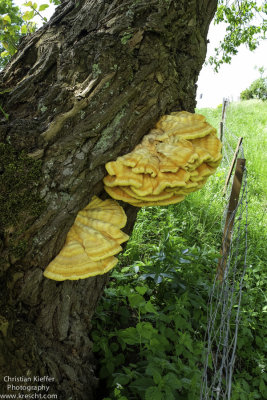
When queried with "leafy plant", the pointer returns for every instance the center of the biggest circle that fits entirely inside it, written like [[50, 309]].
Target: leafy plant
[[10, 30], [158, 304], [242, 28], [14, 24], [149, 329], [257, 90]]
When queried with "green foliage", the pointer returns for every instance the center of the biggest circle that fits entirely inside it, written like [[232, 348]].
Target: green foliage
[[242, 28], [149, 328], [158, 301], [10, 25], [257, 90], [14, 24], [34, 10]]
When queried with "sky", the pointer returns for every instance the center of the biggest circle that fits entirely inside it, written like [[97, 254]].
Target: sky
[[231, 79]]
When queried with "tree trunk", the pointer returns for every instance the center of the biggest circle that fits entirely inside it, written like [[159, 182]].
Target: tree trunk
[[81, 91]]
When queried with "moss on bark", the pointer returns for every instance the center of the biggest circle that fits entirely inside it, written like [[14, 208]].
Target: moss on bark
[[20, 202]]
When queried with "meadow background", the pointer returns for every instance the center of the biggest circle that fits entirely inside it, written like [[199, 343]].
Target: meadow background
[[149, 328]]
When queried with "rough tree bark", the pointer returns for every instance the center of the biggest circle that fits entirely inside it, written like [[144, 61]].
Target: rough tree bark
[[81, 91]]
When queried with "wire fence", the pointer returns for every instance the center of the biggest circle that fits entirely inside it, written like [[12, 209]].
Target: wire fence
[[225, 298]]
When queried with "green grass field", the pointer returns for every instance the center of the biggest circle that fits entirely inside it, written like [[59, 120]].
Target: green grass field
[[149, 328], [248, 119]]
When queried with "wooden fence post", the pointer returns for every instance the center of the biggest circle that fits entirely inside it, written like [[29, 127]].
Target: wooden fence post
[[225, 102], [230, 217], [232, 165], [221, 131]]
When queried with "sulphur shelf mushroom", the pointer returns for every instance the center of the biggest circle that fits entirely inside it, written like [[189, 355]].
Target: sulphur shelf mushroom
[[173, 160], [91, 243]]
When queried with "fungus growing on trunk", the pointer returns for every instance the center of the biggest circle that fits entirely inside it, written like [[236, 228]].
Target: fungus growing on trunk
[[173, 160], [91, 242]]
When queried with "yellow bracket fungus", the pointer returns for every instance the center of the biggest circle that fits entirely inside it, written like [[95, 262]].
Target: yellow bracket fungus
[[91, 243], [173, 160]]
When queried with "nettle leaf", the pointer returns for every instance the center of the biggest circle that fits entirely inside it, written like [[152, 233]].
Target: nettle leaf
[[43, 7], [121, 379], [142, 383], [157, 377], [263, 388], [145, 329], [136, 300], [153, 393], [141, 289], [150, 308], [172, 381], [129, 335], [155, 372], [110, 366]]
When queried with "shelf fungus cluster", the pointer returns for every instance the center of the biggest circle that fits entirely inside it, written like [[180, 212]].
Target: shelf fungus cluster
[[91, 243], [173, 160]]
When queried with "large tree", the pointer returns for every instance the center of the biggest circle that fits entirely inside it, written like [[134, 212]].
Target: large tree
[[80, 91]]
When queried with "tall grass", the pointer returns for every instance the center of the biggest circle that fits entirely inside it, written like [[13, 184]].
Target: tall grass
[[248, 119]]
